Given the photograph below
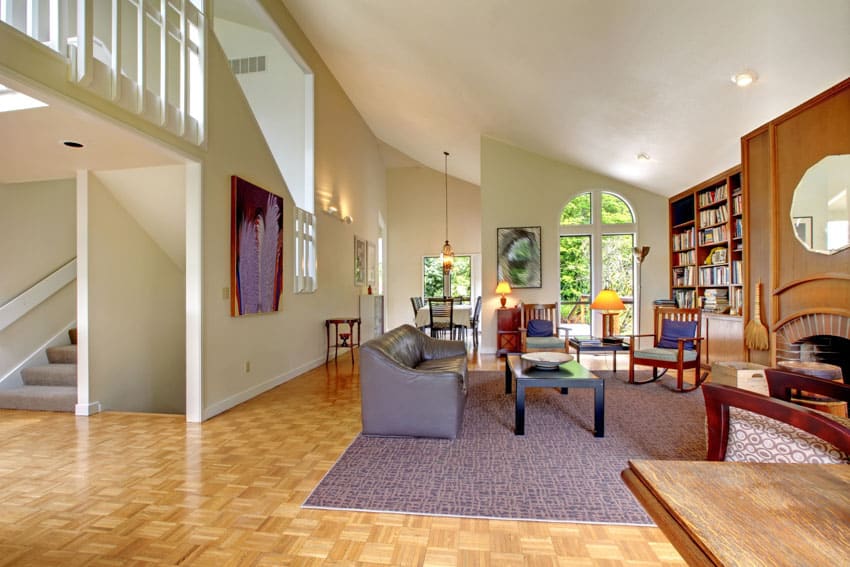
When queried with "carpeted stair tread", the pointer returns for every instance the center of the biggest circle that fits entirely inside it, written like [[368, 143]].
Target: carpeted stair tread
[[65, 354], [50, 375], [43, 398]]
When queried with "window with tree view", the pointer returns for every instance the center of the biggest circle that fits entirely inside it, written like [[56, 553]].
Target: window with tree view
[[460, 278], [597, 237]]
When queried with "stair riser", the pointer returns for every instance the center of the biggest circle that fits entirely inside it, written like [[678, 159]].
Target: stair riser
[[39, 398], [51, 375]]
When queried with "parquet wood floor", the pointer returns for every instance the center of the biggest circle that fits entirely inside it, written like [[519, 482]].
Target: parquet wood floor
[[134, 489]]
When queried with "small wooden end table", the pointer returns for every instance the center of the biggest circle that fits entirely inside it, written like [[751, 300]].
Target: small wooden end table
[[348, 340]]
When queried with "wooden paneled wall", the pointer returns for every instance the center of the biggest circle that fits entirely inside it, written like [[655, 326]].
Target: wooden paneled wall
[[774, 159]]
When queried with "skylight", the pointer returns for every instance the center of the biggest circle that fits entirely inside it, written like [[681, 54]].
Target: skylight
[[12, 100]]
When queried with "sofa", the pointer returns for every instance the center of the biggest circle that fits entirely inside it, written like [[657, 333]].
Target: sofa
[[412, 385]]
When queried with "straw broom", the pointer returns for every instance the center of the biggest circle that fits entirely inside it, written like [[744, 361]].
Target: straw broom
[[755, 333]]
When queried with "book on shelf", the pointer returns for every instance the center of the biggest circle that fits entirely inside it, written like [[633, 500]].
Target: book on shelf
[[712, 196], [715, 300]]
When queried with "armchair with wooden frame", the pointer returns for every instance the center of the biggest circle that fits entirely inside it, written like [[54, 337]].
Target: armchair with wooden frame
[[538, 329], [676, 344], [751, 427]]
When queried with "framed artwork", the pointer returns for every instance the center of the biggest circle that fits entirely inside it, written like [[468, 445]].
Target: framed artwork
[[256, 249], [519, 256], [359, 262], [803, 228], [371, 263]]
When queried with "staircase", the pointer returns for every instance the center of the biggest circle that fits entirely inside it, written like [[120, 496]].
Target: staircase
[[52, 387]]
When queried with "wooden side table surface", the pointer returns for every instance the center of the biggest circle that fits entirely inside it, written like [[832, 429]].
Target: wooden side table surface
[[719, 513]]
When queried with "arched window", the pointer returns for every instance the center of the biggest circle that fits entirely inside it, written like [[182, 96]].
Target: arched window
[[597, 230]]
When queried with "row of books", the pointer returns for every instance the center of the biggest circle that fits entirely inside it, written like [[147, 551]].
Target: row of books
[[684, 240], [736, 302], [712, 196], [684, 276], [688, 258], [714, 216], [712, 235], [714, 275], [739, 228], [685, 298], [737, 270], [738, 202]]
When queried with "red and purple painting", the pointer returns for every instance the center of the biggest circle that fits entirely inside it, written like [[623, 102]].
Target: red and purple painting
[[256, 249]]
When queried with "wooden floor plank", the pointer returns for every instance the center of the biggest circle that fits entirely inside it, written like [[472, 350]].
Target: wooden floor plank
[[133, 489]]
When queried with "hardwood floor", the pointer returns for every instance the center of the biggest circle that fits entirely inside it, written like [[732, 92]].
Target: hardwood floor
[[132, 489]]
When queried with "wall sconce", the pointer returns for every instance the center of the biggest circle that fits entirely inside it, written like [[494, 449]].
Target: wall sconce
[[334, 212]]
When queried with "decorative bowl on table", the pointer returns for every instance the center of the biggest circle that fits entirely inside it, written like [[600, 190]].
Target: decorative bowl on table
[[547, 360]]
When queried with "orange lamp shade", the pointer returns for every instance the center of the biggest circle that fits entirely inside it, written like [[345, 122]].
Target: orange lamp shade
[[607, 301]]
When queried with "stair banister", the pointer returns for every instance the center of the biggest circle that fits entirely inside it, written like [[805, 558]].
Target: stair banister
[[27, 300]]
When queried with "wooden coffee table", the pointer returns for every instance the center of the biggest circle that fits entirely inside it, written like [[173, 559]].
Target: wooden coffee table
[[573, 376]]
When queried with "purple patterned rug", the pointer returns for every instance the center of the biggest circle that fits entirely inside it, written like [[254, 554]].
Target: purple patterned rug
[[557, 472]]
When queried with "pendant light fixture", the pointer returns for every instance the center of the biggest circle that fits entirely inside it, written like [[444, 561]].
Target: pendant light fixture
[[447, 257]]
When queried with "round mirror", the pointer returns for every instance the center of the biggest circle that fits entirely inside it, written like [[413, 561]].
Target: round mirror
[[820, 210]]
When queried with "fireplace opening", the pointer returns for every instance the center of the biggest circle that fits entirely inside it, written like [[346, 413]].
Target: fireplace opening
[[828, 349]]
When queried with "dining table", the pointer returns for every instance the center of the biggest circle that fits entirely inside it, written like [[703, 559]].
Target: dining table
[[461, 316]]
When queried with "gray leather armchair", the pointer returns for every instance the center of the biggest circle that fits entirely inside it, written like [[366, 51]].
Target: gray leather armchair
[[412, 385]]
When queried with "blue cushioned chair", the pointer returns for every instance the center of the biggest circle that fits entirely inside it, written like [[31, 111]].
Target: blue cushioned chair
[[676, 344], [539, 328]]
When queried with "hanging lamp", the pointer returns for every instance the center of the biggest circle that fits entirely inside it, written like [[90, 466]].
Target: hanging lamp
[[447, 256]]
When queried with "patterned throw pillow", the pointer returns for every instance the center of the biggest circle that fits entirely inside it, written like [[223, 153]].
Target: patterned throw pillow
[[756, 438]]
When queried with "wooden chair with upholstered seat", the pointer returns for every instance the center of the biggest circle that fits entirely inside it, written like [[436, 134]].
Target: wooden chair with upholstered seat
[[748, 427], [442, 317], [538, 329], [676, 344]]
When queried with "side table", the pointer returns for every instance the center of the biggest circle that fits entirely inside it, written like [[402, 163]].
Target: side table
[[343, 339]]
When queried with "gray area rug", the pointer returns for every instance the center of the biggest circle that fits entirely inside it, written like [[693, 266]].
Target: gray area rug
[[557, 472]]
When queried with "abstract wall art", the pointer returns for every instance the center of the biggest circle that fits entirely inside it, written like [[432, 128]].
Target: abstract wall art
[[256, 249], [519, 256], [359, 262]]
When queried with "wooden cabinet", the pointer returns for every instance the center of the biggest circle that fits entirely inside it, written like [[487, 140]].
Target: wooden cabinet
[[507, 330], [707, 245], [371, 316], [724, 338]]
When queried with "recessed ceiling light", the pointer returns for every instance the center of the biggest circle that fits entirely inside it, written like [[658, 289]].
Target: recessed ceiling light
[[745, 78], [642, 157], [72, 144]]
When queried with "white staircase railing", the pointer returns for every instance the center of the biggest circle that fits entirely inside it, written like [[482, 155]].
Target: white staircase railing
[[146, 56], [20, 305]]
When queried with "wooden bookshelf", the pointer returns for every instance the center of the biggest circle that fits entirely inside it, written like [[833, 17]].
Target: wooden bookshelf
[[707, 258]]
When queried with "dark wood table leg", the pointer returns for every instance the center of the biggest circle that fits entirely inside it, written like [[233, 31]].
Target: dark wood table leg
[[507, 376], [614, 352], [599, 410], [519, 424], [565, 391]]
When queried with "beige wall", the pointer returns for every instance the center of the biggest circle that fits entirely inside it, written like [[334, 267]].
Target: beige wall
[[136, 319], [520, 188], [40, 217], [416, 203]]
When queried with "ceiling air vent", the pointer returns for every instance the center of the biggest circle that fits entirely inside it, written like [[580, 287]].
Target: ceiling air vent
[[248, 65]]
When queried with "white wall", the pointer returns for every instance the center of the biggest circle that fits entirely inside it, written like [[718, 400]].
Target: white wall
[[136, 318], [37, 236], [276, 96], [417, 227], [520, 188]]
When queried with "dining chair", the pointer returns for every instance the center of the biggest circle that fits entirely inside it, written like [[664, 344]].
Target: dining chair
[[676, 344], [442, 317], [474, 320]]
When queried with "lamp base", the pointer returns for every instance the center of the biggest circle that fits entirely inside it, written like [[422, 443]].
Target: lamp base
[[608, 324], [504, 300]]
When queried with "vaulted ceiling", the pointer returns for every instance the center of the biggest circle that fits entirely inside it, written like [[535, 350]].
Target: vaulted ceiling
[[592, 83]]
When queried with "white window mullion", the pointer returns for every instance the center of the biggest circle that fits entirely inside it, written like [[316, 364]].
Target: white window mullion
[[115, 72], [184, 73], [163, 63], [33, 9], [140, 58]]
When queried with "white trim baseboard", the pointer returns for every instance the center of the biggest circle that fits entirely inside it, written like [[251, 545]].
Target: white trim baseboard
[[254, 391], [87, 409]]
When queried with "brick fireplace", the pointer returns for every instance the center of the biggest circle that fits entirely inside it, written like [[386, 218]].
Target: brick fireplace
[[817, 337]]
